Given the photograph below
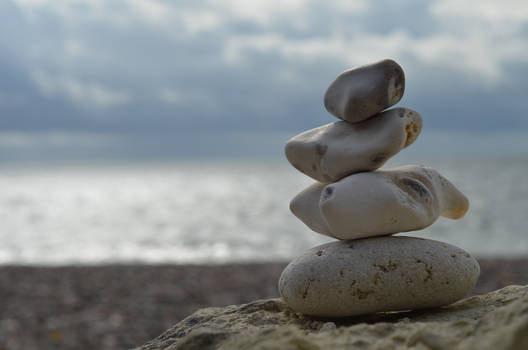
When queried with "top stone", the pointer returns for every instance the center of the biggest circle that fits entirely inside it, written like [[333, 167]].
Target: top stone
[[359, 93]]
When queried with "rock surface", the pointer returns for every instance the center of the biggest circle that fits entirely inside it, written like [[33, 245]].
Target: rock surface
[[359, 93], [332, 151], [498, 321], [378, 203], [305, 206], [350, 278]]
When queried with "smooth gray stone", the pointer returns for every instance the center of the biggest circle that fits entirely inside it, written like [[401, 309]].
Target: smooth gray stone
[[359, 93], [349, 278], [333, 151]]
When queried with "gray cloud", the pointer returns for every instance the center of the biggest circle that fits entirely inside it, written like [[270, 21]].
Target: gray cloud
[[152, 67]]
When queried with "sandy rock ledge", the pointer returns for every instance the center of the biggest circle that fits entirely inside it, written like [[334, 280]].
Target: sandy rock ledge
[[498, 320]]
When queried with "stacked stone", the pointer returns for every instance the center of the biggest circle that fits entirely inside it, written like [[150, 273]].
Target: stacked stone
[[368, 270]]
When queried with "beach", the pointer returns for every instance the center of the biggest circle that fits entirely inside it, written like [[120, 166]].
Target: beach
[[123, 306]]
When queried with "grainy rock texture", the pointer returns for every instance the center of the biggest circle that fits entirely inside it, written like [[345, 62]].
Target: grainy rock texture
[[349, 278], [498, 320]]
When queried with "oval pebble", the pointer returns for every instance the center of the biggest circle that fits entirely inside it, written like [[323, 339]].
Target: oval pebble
[[332, 151], [348, 278], [378, 203], [359, 93]]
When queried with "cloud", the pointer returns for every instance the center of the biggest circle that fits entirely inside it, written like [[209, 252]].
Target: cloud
[[171, 96], [154, 65], [507, 11], [85, 93], [74, 48], [469, 55], [350, 50], [473, 47], [261, 11], [200, 21], [481, 36], [35, 141]]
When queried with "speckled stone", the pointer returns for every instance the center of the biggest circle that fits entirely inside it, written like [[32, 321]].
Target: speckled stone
[[361, 92], [332, 151], [348, 278], [382, 202]]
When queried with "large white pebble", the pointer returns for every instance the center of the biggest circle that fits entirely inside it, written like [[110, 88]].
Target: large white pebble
[[333, 151], [359, 93], [348, 278], [382, 202]]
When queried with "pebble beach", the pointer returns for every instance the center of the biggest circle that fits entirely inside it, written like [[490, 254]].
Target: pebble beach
[[123, 306]]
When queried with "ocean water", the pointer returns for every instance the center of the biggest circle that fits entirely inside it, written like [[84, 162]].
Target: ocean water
[[212, 211]]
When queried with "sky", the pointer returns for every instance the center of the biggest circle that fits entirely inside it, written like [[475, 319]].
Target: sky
[[207, 77]]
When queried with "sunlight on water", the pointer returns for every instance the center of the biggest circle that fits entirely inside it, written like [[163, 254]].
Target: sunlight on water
[[195, 212]]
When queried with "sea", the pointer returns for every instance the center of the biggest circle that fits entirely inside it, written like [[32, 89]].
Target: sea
[[197, 211]]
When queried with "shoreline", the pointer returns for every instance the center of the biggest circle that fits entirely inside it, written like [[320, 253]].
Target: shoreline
[[121, 306]]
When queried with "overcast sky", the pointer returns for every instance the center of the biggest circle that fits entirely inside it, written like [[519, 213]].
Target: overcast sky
[[190, 67]]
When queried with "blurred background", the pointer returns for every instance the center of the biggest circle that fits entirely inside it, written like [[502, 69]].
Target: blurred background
[[140, 137]]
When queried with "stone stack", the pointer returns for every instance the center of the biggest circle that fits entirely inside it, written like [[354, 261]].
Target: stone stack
[[368, 270]]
